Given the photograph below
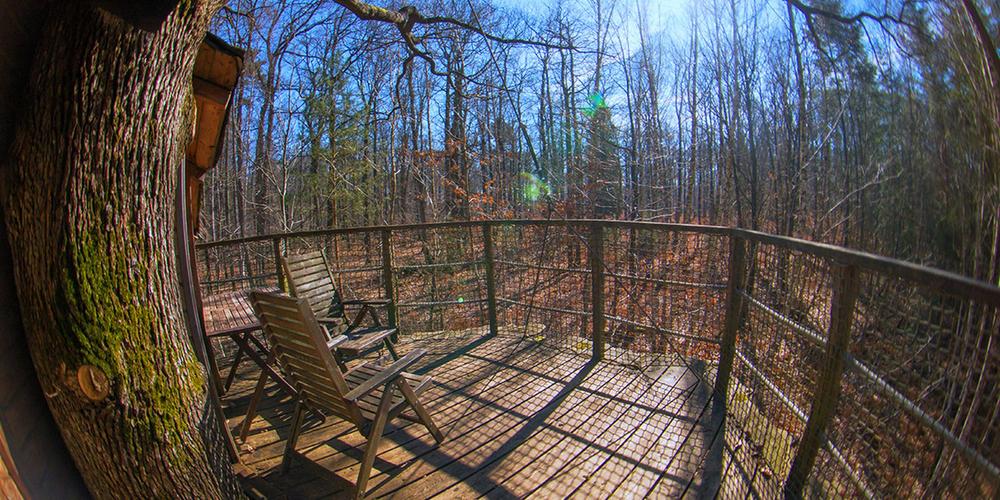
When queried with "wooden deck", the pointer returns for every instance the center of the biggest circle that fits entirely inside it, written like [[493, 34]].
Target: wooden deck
[[521, 419]]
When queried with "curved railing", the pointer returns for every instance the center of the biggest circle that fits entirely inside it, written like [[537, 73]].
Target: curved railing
[[845, 373]]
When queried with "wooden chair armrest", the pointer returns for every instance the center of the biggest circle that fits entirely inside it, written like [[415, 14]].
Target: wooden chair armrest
[[385, 376], [366, 302], [334, 342], [366, 339], [333, 325]]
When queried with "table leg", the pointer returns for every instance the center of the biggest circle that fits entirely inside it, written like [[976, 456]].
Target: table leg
[[232, 370]]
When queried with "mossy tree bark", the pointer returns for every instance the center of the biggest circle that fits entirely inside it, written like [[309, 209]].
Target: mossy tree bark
[[88, 199]]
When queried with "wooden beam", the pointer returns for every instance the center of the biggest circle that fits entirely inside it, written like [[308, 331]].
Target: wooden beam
[[211, 91], [390, 294], [734, 312], [491, 290], [827, 394], [596, 252]]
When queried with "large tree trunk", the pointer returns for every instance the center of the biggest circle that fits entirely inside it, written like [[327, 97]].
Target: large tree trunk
[[89, 206]]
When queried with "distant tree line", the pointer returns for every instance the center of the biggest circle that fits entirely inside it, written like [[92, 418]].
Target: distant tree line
[[874, 129]]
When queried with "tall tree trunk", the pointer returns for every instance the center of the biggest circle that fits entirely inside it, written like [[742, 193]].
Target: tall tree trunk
[[456, 164], [262, 148], [89, 207], [693, 98]]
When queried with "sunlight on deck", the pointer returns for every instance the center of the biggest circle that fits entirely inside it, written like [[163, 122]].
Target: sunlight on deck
[[521, 418]]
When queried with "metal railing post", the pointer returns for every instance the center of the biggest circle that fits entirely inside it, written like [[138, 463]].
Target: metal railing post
[[596, 252], [278, 272], [387, 276], [491, 291], [845, 295]]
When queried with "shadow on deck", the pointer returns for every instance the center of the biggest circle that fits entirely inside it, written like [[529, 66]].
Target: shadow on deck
[[521, 418]]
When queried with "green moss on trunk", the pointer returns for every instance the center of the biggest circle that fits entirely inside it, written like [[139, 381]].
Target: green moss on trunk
[[90, 211]]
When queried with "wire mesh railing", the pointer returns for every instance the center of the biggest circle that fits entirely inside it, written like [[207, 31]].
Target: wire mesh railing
[[837, 373], [663, 292], [926, 362], [439, 278], [878, 377], [543, 283]]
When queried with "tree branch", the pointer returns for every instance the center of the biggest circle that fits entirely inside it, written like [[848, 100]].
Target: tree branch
[[408, 16], [881, 19]]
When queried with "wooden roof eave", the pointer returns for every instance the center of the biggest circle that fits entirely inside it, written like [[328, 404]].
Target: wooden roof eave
[[216, 73]]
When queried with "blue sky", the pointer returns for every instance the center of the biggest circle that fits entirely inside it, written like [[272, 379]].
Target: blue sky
[[662, 15]]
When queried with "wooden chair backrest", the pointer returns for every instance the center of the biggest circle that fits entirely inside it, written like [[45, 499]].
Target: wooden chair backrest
[[300, 349], [309, 277]]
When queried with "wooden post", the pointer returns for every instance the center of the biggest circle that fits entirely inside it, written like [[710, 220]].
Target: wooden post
[[387, 275], [491, 290], [714, 464], [845, 295], [278, 273], [597, 287], [734, 310]]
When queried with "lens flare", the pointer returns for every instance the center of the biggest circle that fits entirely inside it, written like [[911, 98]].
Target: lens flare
[[534, 188], [595, 102]]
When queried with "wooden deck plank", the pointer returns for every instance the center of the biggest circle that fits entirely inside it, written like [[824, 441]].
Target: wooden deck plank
[[408, 442], [433, 405], [605, 465], [268, 438], [497, 414], [682, 469], [668, 434], [618, 433], [517, 424], [552, 443], [343, 459]]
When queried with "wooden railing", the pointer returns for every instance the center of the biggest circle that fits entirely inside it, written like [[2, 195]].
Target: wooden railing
[[874, 377]]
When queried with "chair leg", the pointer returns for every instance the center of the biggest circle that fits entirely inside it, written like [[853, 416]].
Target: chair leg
[[286, 460], [258, 393], [374, 436], [339, 358], [392, 351], [374, 316], [411, 397]]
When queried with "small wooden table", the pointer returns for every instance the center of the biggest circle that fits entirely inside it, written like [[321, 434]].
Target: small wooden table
[[231, 315]]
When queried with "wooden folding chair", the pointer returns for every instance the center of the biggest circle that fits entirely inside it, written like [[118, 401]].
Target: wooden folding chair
[[309, 277], [369, 395]]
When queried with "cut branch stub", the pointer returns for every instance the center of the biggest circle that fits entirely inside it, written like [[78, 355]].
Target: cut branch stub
[[93, 382]]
